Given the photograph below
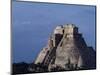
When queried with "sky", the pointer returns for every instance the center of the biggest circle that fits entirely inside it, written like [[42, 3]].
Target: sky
[[33, 23]]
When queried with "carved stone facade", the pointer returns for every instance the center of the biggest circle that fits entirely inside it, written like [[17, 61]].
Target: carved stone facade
[[66, 45]]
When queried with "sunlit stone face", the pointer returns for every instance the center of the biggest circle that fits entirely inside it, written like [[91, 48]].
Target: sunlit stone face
[[58, 30], [67, 29], [70, 29]]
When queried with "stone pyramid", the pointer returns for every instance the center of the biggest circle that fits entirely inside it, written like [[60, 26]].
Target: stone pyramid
[[67, 48]]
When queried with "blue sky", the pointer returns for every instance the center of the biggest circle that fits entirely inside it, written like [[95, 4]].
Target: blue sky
[[33, 23]]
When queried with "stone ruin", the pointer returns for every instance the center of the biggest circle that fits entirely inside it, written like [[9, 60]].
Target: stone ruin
[[67, 48]]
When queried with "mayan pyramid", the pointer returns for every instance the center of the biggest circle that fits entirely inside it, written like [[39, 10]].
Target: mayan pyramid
[[66, 46]]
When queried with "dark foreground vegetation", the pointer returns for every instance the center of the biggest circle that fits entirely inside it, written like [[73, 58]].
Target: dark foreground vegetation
[[26, 68]]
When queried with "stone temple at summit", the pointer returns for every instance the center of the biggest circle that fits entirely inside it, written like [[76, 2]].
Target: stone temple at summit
[[67, 50]]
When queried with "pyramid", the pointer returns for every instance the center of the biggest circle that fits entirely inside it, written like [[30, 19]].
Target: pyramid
[[67, 48]]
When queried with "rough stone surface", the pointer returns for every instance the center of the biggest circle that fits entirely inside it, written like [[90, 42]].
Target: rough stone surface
[[67, 47]]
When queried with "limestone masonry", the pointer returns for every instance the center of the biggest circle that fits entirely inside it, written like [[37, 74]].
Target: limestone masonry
[[67, 46]]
